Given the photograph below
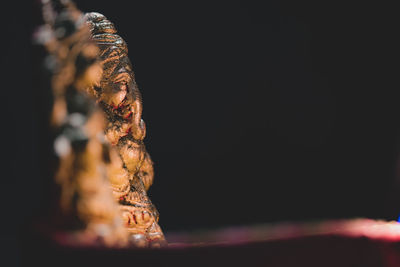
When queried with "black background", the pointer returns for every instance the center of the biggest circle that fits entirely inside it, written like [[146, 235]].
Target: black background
[[256, 111]]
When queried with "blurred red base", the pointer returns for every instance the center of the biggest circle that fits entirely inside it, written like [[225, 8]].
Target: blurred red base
[[360, 242]]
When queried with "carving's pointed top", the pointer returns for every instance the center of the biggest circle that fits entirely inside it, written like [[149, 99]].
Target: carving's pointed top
[[99, 23], [95, 16]]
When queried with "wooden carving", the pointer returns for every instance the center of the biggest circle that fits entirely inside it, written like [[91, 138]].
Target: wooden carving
[[103, 168], [121, 101]]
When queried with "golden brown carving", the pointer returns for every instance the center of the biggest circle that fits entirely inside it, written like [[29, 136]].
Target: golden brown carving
[[93, 176], [118, 95]]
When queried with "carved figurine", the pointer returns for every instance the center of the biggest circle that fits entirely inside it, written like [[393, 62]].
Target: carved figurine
[[86, 211], [103, 168], [119, 97]]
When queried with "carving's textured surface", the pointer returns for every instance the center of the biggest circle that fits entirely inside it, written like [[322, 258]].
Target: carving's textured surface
[[86, 209], [119, 97], [103, 170]]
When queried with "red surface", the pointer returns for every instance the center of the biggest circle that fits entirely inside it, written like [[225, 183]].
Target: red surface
[[352, 243]]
